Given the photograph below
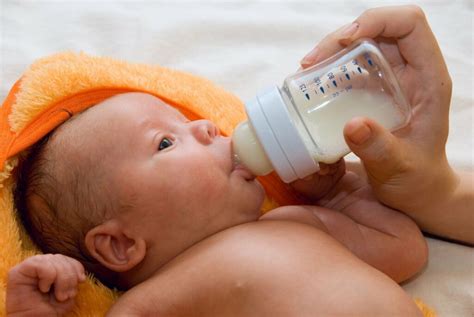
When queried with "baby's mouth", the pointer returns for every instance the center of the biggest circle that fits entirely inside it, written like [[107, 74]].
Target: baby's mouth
[[240, 168]]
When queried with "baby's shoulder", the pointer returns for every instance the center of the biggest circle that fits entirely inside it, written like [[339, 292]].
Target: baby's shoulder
[[227, 271]]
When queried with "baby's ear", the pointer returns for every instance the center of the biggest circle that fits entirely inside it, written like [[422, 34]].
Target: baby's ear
[[109, 245]]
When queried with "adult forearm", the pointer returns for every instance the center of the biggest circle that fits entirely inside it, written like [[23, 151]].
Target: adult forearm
[[450, 215]]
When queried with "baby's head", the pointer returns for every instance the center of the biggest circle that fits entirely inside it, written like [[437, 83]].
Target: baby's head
[[129, 184]]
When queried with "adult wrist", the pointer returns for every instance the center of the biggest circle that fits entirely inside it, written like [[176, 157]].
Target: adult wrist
[[437, 185], [439, 192], [450, 216]]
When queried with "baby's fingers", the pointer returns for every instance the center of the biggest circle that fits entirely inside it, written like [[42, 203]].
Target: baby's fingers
[[79, 269], [65, 286], [45, 271], [331, 169], [63, 307]]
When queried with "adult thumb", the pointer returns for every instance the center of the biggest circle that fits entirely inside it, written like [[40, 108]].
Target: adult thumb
[[379, 150]]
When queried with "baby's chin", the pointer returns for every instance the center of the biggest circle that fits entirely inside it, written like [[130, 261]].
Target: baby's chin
[[260, 197], [260, 189], [252, 206]]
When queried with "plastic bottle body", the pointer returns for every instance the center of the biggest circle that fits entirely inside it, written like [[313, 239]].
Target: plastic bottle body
[[355, 82], [317, 102]]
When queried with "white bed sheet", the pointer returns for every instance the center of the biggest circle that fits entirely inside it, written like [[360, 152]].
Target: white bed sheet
[[245, 46]]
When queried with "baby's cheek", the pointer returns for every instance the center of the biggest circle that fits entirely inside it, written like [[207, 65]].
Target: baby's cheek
[[206, 184]]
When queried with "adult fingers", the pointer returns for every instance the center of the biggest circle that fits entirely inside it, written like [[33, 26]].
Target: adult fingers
[[380, 151], [328, 46], [406, 24]]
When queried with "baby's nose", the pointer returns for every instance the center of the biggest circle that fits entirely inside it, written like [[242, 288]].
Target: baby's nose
[[204, 131]]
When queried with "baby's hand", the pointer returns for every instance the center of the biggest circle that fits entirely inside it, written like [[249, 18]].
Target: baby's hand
[[43, 285], [317, 185]]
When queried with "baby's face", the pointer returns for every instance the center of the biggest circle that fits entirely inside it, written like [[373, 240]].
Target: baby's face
[[176, 176]]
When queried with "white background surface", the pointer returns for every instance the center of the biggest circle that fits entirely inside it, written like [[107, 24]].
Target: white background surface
[[245, 46]]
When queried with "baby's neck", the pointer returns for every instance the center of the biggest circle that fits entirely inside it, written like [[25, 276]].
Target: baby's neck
[[157, 257], [150, 266]]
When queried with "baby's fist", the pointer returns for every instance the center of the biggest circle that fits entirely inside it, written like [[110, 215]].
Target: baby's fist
[[43, 285], [317, 185]]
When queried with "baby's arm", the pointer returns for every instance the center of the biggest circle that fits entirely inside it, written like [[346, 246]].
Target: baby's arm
[[379, 235], [43, 285]]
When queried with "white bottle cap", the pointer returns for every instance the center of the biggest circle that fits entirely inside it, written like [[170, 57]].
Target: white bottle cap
[[279, 137]]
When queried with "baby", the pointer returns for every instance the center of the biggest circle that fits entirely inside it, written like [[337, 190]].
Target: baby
[[153, 204]]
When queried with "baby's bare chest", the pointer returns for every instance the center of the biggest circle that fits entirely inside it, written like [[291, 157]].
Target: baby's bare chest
[[272, 267]]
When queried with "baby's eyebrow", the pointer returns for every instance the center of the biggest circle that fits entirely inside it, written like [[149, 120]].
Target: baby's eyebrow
[[182, 117]]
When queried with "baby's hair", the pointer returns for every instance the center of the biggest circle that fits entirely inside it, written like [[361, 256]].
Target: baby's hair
[[61, 197]]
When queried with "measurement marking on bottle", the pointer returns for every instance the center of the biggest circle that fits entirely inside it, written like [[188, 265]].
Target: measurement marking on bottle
[[307, 96], [360, 70], [322, 89], [348, 77], [370, 62], [334, 83]]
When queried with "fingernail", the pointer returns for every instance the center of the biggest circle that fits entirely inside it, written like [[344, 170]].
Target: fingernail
[[349, 30], [358, 133], [311, 57]]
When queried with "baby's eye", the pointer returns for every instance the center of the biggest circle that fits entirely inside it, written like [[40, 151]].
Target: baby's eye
[[164, 144]]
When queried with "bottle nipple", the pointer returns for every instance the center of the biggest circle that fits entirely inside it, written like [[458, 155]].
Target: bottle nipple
[[248, 150], [236, 159]]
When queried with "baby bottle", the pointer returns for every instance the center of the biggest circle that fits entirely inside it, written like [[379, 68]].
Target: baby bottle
[[292, 128]]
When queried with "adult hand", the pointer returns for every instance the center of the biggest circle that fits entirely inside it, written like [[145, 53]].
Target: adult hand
[[408, 169]]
